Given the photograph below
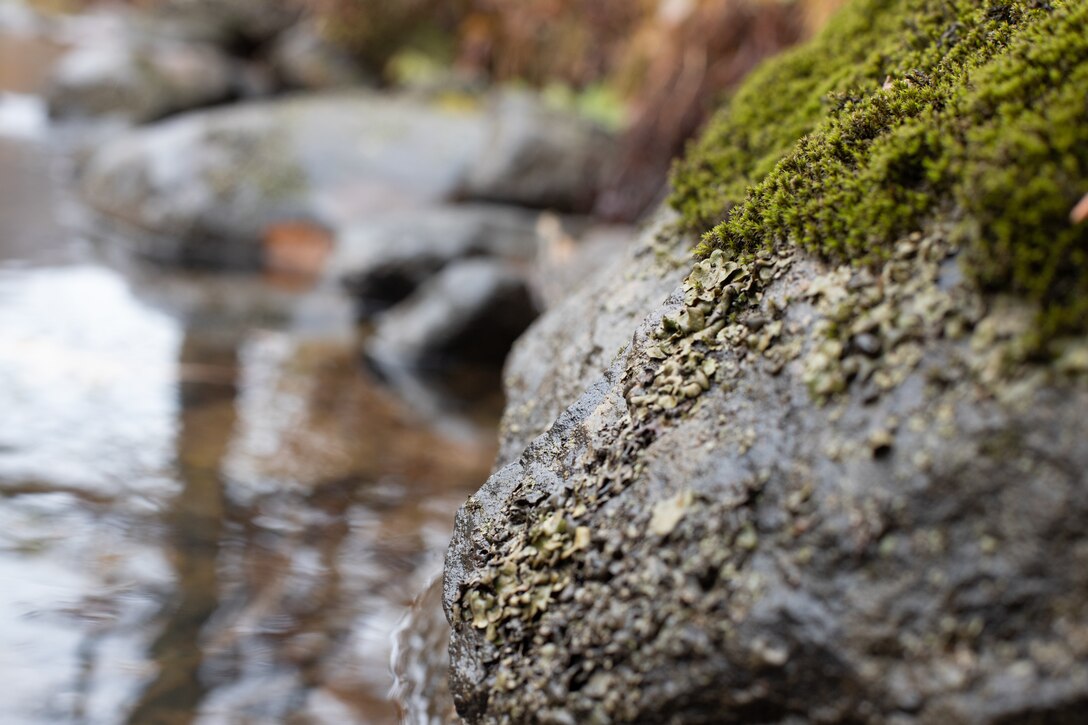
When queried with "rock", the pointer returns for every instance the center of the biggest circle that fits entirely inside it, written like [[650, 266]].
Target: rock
[[840, 474], [205, 187], [256, 79], [538, 157], [237, 25], [382, 259], [566, 350], [705, 536], [571, 252], [138, 81], [471, 311], [18, 19], [302, 59]]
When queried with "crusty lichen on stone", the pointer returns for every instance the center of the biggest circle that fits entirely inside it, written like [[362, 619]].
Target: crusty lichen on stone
[[868, 265]]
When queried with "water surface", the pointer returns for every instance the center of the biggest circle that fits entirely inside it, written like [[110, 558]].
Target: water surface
[[210, 512]]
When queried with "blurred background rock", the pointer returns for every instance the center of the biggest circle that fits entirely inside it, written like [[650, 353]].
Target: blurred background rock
[[648, 69]]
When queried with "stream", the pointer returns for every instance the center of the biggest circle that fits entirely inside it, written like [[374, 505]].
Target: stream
[[210, 511]]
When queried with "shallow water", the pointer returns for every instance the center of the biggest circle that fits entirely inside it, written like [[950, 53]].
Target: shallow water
[[209, 511]]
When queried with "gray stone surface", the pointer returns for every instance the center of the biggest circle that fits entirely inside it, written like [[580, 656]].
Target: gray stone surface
[[471, 311], [572, 250], [303, 60], [574, 342], [205, 187], [234, 24], [777, 519], [138, 81], [538, 157], [383, 259]]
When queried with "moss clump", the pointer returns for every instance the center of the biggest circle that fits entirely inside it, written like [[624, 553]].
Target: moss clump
[[907, 110]]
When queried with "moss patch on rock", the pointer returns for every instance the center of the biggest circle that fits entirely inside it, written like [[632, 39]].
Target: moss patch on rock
[[906, 111]]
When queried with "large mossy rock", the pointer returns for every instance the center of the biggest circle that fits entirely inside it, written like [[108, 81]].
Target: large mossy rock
[[823, 482]]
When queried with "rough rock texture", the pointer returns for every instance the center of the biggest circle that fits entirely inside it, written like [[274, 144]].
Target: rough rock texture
[[138, 81], [538, 157], [573, 250], [910, 550], [471, 311], [383, 259], [840, 475], [567, 350]]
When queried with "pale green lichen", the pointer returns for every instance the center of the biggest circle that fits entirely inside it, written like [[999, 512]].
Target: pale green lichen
[[716, 291], [886, 298]]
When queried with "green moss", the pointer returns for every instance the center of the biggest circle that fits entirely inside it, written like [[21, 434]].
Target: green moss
[[908, 110]]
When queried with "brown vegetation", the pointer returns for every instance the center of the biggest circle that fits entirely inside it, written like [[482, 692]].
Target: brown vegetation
[[671, 60]]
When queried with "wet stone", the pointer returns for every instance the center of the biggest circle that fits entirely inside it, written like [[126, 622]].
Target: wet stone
[[471, 311], [738, 581]]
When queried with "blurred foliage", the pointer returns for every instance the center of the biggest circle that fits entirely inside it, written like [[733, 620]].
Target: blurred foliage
[[598, 102], [375, 31], [654, 67]]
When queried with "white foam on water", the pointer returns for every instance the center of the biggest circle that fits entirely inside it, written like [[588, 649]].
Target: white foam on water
[[22, 116]]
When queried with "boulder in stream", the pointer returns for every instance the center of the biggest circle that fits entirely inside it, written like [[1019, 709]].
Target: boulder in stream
[[138, 81], [695, 539], [204, 187], [235, 25], [304, 60], [840, 474], [538, 157], [383, 259], [471, 311]]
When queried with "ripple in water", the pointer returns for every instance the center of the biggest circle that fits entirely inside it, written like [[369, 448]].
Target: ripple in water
[[210, 513]]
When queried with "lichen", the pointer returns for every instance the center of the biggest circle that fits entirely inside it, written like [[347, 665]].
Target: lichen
[[929, 153], [906, 111], [715, 293]]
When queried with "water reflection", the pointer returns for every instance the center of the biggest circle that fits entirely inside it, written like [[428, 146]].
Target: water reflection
[[209, 512], [86, 441], [194, 529]]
